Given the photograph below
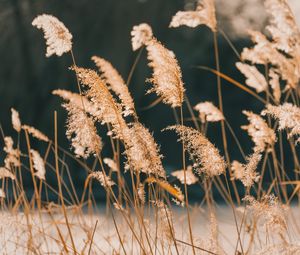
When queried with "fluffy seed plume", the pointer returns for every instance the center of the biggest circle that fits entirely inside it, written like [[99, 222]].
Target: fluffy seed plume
[[111, 164], [254, 78], [82, 132], [35, 133], [58, 38], [166, 76], [288, 116], [15, 119], [264, 52], [12, 158], [78, 100], [142, 152], [141, 34], [283, 28], [104, 180], [203, 15], [206, 156], [262, 136], [190, 177], [38, 164], [246, 173], [5, 173], [108, 110], [208, 112], [116, 84]]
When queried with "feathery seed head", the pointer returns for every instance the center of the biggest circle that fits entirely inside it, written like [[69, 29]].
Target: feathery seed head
[[254, 78], [203, 15], [142, 151], [108, 110], [288, 116], [208, 112], [264, 52], [141, 34], [190, 177], [166, 77], [58, 38], [35, 133], [206, 156], [15, 119], [82, 132], [283, 28], [262, 136], [116, 84], [104, 180], [38, 164], [246, 173], [111, 164], [80, 101], [12, 158]]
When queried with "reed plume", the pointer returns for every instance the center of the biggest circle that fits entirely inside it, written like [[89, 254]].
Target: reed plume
[[140, 35], [254, 78], [78, 100], [111, 164], [82, 132], [288, 116], [208, 112], [38, 164], [166, 77], [12, 158], [142, 152], [103, 179], [15, 120], [283, 27], [205, 155], [262, 136], [246, 173], [203, 15], [264, 53], [108, 110], [189, 175], [116, 84], [58, 38], [35, 133]]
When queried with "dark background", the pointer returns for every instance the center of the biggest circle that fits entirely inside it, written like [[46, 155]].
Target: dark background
[[102, 27]]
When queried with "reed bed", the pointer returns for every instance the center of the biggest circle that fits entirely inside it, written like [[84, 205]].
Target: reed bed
[[145, 212]]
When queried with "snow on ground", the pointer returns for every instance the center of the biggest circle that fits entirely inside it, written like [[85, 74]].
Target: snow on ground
[[45, 234]]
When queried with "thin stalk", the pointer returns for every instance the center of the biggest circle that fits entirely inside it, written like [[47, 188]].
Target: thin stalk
[[185, 186], [221, 109], [59, 182]]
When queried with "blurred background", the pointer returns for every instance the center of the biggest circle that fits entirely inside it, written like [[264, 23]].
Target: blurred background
[[102, 27]]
